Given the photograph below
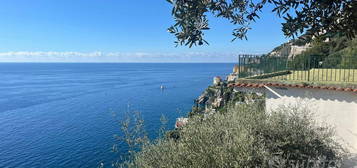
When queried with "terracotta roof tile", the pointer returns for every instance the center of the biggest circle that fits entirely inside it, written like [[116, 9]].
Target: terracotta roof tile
[[323, 87], [261, 85], [281, 84], [348, 89], [256, 85]]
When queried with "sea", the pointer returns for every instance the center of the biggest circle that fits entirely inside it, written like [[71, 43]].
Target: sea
[[66, 114]]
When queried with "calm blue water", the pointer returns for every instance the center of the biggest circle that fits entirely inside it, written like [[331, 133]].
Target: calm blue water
[[61, 115]]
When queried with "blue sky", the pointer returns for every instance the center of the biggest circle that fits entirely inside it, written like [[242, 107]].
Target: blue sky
[[117, 31]]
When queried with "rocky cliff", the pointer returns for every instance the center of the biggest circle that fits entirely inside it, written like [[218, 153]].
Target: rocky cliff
[[218, 97], [290, 49]]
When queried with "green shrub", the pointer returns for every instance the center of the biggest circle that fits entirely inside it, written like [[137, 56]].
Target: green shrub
[[244, 136]]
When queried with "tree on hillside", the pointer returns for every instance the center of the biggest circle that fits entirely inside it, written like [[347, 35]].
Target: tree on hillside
[[314, 17]]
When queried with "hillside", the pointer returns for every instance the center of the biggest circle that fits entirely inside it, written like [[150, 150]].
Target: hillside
[[335, 46]]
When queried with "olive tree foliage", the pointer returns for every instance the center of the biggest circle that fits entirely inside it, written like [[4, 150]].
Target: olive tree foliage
[[315, 17]]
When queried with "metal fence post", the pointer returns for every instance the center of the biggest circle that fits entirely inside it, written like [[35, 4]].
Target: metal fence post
[[239, 66], [309, 67]]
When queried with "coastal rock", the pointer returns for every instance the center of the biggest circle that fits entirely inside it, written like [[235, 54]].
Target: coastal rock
[[217, 81], [217, 102], [216, 98], [235, 69], [202, 99], [234, 75], [213, 98], [231, 77], [180, 122]]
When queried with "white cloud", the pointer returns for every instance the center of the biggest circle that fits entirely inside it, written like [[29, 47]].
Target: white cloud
[[53, 56]]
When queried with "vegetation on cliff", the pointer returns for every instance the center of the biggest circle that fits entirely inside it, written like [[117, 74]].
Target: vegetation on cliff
[[244, 136], [218, 98], [337, 52]]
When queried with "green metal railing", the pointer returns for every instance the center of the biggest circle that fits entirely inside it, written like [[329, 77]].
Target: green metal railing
[[303, 68]]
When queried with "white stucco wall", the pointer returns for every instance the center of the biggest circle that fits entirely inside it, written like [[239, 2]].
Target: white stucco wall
[[336, 108]]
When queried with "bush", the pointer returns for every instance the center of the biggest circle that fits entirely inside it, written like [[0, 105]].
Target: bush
[[244, 136]]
